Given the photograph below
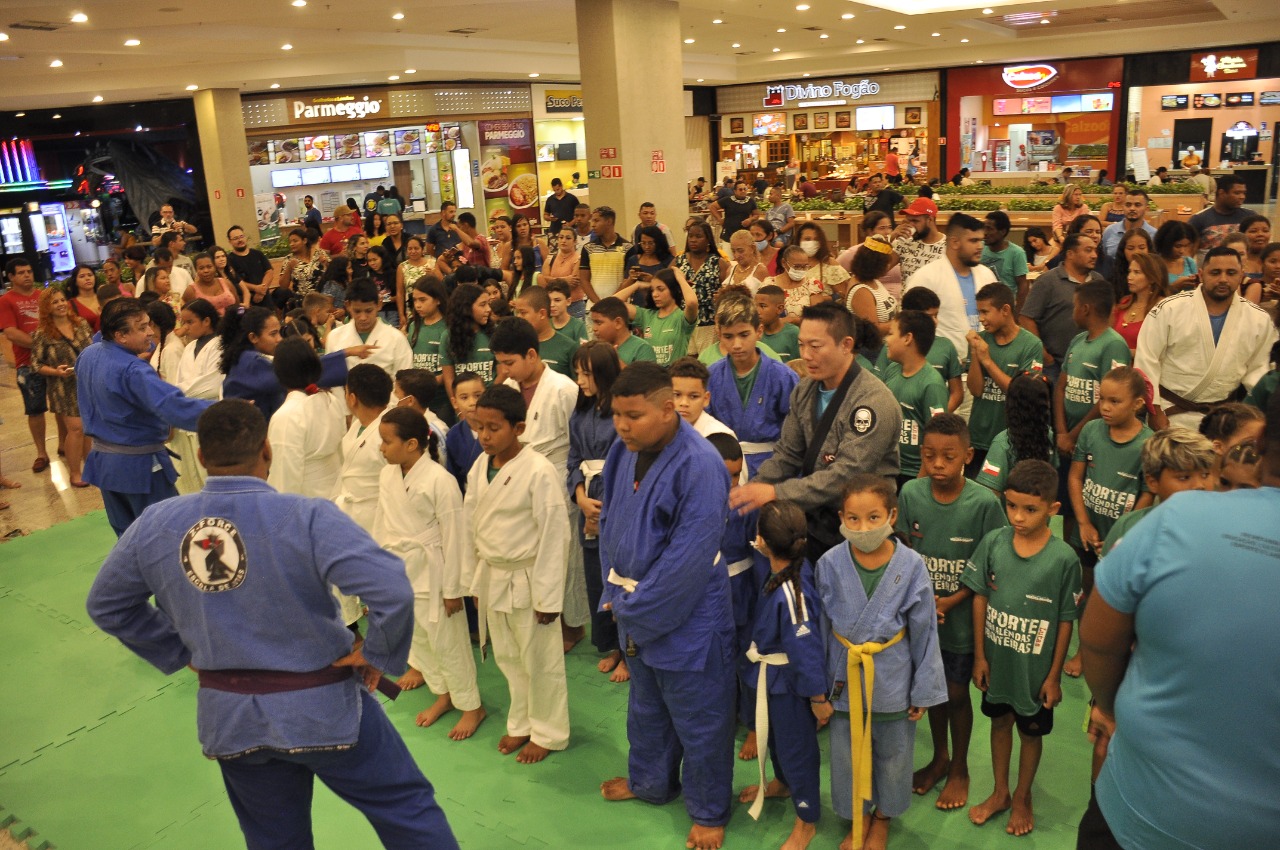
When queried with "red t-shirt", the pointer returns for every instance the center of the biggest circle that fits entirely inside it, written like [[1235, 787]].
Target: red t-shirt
[[334, 242], [21, 312], [891, 166]]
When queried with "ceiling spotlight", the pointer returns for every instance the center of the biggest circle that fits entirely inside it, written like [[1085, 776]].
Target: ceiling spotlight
[[736, 44], [700, 80], [717, 21], [411, 70], [275, 85], [77, 132], [535, 75], [398, 16], [192, 87], [847, 16], [899, 26], [286, 47], [133, 42], [964, 41], [393, 77], [57, 115], [299, 3], [861, 41], [4, 36], [935, 34], [988, 11], [824, 35], [1044, 20], [803, 7], [777, 50], [979, 62], [782, 29], [79, 18], [804, 75], [688, 41], [56, 63], [97, 98], [138, 129], [19, 115]]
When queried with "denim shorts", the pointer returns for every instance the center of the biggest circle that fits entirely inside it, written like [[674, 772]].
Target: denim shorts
[[33, 388]]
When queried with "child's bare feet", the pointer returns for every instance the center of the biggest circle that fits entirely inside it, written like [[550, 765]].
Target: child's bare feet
[[508, 744], [571, 635], [610, 661], [923, 780], [801, 834], [617, 789], [467, 725], [1073, 666], [410, 680], [442, 706], [1021, 820], [532, 753], [620, 673], [990, 807], [878, 834], [773, 789], [749, 751], [705, 837], [956, 792], [9, 483]]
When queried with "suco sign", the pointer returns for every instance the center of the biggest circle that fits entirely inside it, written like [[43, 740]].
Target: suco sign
[[1024, 77]]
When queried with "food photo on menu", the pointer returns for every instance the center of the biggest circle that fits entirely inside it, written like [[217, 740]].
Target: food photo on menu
[[347, 145]]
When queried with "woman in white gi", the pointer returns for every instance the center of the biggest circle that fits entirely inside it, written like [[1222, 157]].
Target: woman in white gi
[[306, 432], [198, 377]]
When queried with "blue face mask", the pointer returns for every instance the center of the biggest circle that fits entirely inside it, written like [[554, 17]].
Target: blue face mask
[[762, 244]]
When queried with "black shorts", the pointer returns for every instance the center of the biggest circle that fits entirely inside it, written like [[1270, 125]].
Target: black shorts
[[1036, 726], [957, 667], [33, 388]]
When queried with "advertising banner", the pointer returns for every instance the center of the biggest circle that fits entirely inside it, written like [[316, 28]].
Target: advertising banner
[[508, 170]]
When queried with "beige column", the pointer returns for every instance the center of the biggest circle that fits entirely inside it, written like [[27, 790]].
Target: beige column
[[629, 54], [226, 164]]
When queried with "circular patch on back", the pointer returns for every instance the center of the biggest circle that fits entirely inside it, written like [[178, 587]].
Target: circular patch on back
[[213, 556]]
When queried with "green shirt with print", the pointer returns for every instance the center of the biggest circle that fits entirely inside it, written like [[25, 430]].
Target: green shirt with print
[[634, 349], [427, 342], [1113, 478], [575, 329], [786, 342], [557, 352], [1001, 458], [1022, 353], [746, 383], [479, 360], [946, 536], [1027, 599], [1086, 361], [943, 357], [669, 335], [1007, 265], [921, 397]]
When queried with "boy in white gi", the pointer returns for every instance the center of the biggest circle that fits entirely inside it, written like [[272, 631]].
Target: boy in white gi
[[419, 518], [391, 349], [306, 432], [519, 529]]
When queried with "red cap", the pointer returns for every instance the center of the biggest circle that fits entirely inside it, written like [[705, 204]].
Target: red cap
[[921, 206]]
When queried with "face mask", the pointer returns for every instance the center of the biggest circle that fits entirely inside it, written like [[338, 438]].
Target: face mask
[[797, 274], [867, 541], [761, 245], [809, 246]]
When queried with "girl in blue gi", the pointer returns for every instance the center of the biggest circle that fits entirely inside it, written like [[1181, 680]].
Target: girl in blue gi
[[786, 648], [591, 435], [878, 615]]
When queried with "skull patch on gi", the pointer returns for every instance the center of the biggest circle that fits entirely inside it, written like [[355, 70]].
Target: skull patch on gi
[[863, 420]]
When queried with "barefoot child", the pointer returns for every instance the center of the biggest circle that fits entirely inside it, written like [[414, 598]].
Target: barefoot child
[[878, 616], [306, 432], [1026, 584], [462, 443], [419, 518], [786, 647], [919, 389], [943, 516], [519, 530]]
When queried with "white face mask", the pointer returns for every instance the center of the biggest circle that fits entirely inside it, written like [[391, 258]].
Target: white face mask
[[797, 274], [809, 246], [869, 540], [761, 245]]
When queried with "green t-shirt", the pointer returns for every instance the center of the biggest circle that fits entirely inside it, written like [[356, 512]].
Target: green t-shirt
[[746, 383], [668, 335], [558, 352], [480, 360], [491, 471], [634, 349], [942, 356], [1007, 265], [1121, 528], [575, 329], [711, 354], [1262, 391], [1113, 477], [1085, 363], [1023, 353], [921, 397], [1027, 598], [786, 342], [879, 366], [946, 537], [427, 347], [1001, 458]]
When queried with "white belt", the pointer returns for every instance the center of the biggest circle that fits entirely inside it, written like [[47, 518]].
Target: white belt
[[423, 542], [591, 470], [627, 584], [482, 595], [755, 448], [773, 659], [740, 567]]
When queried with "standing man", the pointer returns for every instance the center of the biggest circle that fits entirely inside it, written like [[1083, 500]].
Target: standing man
[[882, 198], [247, 605], [917, 242], [893, 166], [443, 235], [665, 491], [560, 205], [179, 278], [957, 277], [842, 420], [176, 243], [19, 318], [1135, 217], [1228, 210], [252, 266], [735, 212], [128, 411], [311, 218], [1007, 261], [1200, 346], [346, 223], [780, 214], [1175, 775], [1206, 183], [600, 269], [168, 224], [649, 218], [582, 232], [1049, 307]]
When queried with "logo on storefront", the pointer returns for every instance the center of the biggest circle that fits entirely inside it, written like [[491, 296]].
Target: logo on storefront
[[347, 106], [507, 132], [563, 101], [1025, 77], [1238, 65], [778, 95]]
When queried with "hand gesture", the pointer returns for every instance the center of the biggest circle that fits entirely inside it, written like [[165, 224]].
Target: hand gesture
[[452, 606], [590, 507], [370, 674], [1050, 692], [360, 351], [546, 619], [981, 674], [978, 348], [1089, 537], [1066, 444], [822, 711], [902, 231]]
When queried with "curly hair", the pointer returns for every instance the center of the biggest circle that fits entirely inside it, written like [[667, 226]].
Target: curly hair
[[45, 313], [1028, 411], [462, 325]]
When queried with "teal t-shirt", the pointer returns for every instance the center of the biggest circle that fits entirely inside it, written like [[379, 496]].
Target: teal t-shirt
[[479, 360], [946, 536], [1007, 265], [669, 335], [1023, 353], [786, 342], [1001, 458], [557, 352], [1085, 363], [746, 383], [634, 349], [1027, 599], [942, 356], [1113, 478], [426, 345], [575, 329], [921, 397]]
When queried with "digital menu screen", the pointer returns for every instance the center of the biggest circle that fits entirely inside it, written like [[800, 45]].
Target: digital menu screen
[[408, 142], [1065, 103], [1006, 106], [315, 176], [768, 123], [1097, 102], [1174, 101], [317, 149], [1269, 98], [377, 143], [347, 146], [1037, 105], [1240, 98], [374, 170], [286, 178], [1207, 101], [344, 173]]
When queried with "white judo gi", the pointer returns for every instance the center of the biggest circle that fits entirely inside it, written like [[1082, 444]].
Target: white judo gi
[[392, 354], [306, 443], [520, 534], [419, 517], [197, 376], [1176, 350], [356, 492]]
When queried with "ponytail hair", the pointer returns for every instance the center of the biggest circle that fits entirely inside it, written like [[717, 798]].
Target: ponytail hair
[[784, 529], [409, 424], [237, 324]]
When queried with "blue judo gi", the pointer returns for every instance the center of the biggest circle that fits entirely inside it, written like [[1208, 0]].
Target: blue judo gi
[[253, 378], [784, 625], [739, 556], [241, 576], [662, 534], [129, 410], [590, 438], [909, 673], [461, 448], [758, 423]]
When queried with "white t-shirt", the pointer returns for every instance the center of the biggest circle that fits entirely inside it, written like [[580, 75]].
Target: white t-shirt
[[914, 255], [953, 314]]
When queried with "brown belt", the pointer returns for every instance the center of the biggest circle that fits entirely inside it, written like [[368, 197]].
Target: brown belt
[[1188, 406], [257, 682]]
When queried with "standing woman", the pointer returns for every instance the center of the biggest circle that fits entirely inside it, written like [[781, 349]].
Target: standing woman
[[825, 270], [650, 255], [111, 271], [465, 347], [1069, 207], [767, 243], [524, 266], [357, 253], [382, 273], [874, 223], [393, 241], [169, 341], [1134, 242], [302, 268], [375, 225], [135, 258], [500, 247], [1257, 234], [207, 286], [59, 338], [1271, 274], [868, 297], [1113, 210], [748, 268], [1175, 242], [522, 236], [562, 265], [416, 263], [198, 377], [705, 270], [1146, 285], [81, 288]]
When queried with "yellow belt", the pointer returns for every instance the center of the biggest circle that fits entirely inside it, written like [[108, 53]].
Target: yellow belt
[[862, 660]]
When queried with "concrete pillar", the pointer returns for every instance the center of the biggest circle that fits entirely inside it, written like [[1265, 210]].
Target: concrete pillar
[[629, 54], [226, 163]]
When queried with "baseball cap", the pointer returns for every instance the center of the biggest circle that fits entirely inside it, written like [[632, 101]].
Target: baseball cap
[[921, 206]]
